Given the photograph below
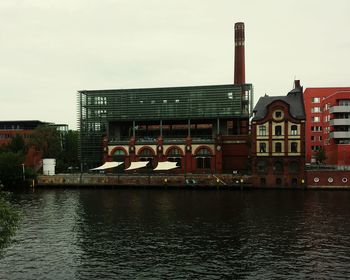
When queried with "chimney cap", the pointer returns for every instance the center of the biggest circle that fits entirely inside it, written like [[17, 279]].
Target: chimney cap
[[239, 25]]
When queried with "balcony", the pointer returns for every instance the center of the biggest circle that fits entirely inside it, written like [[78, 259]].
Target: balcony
[[340, 134], [339, 109], [339, 122]]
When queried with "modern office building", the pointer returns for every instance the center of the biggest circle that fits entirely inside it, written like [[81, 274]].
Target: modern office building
[[278, 132], [202, 128], [328, 125], [24, 128]]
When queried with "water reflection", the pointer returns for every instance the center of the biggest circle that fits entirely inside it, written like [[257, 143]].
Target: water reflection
[[180, 234]]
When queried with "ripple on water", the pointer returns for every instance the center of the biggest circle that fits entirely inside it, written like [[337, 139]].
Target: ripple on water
[[140, 234]]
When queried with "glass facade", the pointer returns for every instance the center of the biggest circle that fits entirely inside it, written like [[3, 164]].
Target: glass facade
[[98, 108]]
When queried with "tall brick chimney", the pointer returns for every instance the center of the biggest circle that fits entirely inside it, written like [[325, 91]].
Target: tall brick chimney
[[239, 54]]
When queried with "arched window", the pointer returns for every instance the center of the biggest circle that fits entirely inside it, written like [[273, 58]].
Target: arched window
[[146, 155], [261, 166], [278, 167], [203, 158], [278, 130], [118, 155], [294, 147], [174, 155], [278, 147], [262, 147], [294, 130]]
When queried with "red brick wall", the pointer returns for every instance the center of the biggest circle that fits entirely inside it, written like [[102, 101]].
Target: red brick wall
[[327, 178]]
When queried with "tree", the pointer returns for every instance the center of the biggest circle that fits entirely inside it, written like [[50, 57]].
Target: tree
[[47, 139], [70, 149], [11, 169], [321, 156], [17, 144]]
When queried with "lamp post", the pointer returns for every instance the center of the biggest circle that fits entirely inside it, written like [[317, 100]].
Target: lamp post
[[23, 172]]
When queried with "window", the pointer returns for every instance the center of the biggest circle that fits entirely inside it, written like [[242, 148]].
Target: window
[[315, 100], [315, 119], [312, 138], [294, 130], [344, 102], [262, 147], [278, 114], [119, 155], [203, 159], [278, 182], [315, 148], [100, 100], [278, 167], [294, 147], [278, 147], [262, 130], [317, 128], [261, 166], [175, 159], [278, 130], [315, 110], [147, 155], [203, 163], [293, 167], [174, 155]]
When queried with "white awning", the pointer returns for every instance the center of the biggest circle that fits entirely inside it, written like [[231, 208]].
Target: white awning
[[137, 165], [107, 165], [166, 165]]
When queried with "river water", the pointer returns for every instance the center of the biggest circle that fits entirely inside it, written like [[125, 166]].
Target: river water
[[179, 234]]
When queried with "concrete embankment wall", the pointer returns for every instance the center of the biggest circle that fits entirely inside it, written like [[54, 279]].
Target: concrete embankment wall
[[315, 180], [200, 180]]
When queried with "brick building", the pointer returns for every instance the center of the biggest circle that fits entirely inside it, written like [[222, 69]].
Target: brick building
[[328, 124], [278, 132], [203, 128], [25, 129]]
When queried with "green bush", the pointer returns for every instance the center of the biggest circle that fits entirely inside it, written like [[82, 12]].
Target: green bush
[[11, 170], [8, 220]]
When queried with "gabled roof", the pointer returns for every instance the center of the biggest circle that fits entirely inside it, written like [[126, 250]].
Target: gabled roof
[[294, 99]]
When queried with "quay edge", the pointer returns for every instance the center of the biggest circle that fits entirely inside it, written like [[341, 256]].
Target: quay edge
[[137, 180]]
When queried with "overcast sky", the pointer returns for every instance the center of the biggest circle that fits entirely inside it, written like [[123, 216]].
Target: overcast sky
[[50, 49]]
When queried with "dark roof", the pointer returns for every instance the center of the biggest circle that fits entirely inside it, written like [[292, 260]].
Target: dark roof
[[20, 124], [294, 99]]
